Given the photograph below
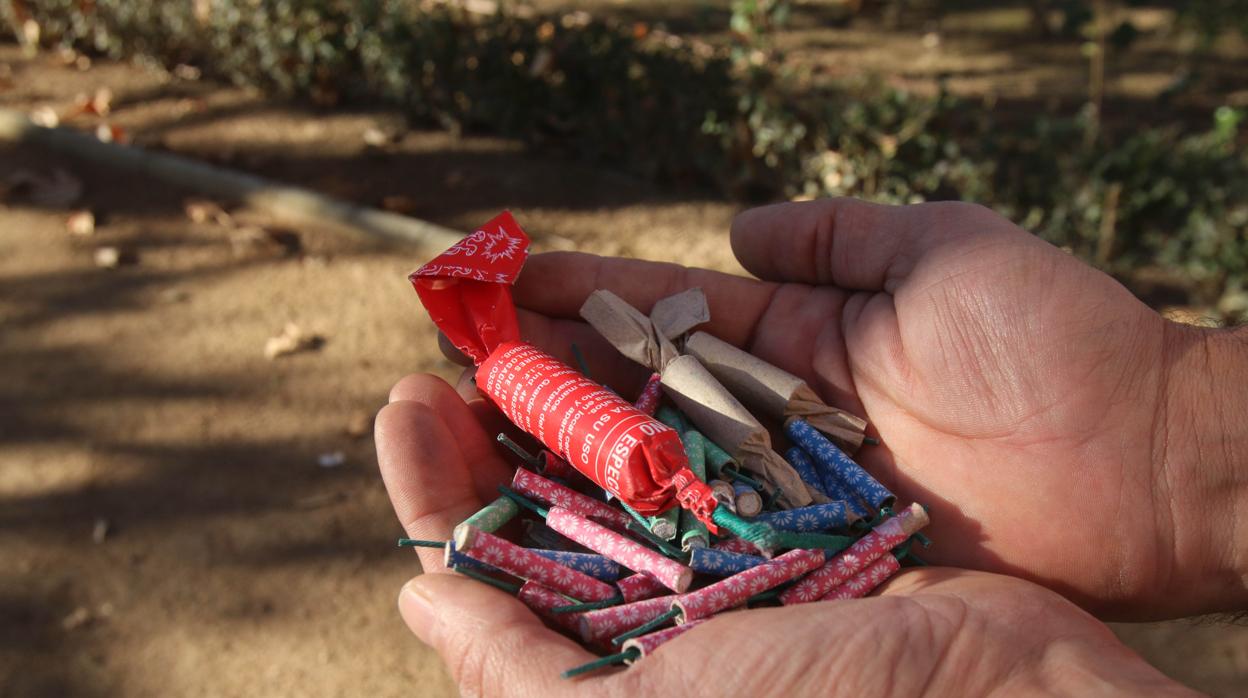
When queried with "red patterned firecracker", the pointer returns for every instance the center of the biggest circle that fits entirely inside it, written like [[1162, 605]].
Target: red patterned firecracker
[[865, 581], [525, 564], [857, 557], [648, 401], [599, 626], [639, 586], [467, 292], [623, 550], [543, 600], [553, 494], [648, 643], [735, 590]]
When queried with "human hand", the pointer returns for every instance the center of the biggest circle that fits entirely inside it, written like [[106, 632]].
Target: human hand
[[1049, 419], [929, 632]]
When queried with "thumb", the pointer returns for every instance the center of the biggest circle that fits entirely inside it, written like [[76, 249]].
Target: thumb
[[850, 243], [491, 642]]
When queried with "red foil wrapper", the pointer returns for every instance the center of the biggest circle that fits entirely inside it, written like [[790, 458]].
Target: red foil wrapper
[[467, 291], [627, 452]]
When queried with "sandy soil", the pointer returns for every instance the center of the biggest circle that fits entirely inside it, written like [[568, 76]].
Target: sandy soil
[[164, 524]]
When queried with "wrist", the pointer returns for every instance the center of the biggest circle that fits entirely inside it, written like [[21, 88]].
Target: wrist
[[1201, 472]]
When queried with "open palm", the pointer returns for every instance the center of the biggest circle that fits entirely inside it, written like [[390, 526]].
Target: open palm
[[1017, 393], [930, 631], [1017, 390]]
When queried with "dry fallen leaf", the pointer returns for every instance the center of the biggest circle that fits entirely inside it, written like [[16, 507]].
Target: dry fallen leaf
[[111, 133], [107, 257], [80, 617], [188, 105], [252, 239], [398, 203], [102, 101], [110, 257], [288, 240], [99, 104], [100, 531], [377, 137], [174, 295], [45, 116], [81, 223], [206, 211], [292, 340]]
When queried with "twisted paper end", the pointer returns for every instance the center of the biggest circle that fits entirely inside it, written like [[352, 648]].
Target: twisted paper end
[[467, 289], [696, 497]]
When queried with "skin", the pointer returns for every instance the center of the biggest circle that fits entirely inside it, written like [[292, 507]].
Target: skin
[[1059, 431]]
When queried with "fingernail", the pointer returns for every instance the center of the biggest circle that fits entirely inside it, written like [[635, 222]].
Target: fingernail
[[416, 607]]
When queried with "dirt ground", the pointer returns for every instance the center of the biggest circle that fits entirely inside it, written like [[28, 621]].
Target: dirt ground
[[165, 527]]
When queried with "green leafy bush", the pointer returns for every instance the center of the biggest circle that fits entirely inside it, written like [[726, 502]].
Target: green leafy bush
[[681, 110]]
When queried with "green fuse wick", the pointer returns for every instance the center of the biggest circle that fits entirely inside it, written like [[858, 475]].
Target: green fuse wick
[[512, 589], [416, 543], [654, 624], [627, 655], [588, 605]]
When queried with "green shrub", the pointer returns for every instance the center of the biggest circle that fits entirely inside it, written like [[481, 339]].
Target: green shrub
[[681, 110]]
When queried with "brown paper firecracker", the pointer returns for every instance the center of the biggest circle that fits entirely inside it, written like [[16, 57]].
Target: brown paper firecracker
[[776, 393], [706, 402]]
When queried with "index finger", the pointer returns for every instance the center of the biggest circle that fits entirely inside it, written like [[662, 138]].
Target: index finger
[[556, 284]]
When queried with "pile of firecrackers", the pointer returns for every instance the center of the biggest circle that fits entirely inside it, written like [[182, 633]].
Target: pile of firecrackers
[[623, 583]]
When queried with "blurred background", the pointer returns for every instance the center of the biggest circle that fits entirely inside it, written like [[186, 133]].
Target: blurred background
[[189, 502]]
